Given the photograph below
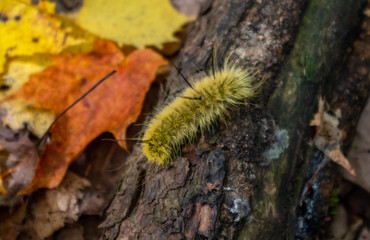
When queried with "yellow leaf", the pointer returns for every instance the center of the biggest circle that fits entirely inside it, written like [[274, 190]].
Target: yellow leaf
[[25, 30], [131, 22], [19, 72], [19, 112]]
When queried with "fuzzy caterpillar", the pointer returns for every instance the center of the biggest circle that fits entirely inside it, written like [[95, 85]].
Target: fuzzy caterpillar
[[196, 109]]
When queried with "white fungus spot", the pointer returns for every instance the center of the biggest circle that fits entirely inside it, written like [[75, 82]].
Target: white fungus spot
[[240, 208], [281, 143]]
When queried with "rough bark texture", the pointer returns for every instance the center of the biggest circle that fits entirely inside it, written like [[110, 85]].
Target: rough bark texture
[[245, 179]]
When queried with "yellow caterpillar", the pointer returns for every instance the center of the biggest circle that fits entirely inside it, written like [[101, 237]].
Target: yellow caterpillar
[[196, 109]]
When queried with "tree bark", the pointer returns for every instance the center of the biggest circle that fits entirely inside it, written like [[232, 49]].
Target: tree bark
[[251, 177]]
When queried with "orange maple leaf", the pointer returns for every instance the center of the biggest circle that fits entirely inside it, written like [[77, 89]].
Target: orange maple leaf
[[112, 107]]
